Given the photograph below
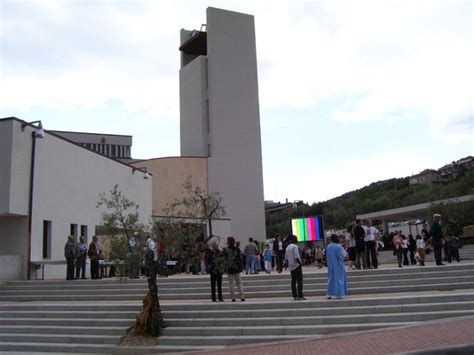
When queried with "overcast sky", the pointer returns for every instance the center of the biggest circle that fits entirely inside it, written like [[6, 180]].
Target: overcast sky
[[350, 92]]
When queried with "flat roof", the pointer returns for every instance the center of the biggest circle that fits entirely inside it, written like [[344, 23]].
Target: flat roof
[[411, 212]]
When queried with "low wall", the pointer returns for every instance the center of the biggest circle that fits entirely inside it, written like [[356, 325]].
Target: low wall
[[11, 267]]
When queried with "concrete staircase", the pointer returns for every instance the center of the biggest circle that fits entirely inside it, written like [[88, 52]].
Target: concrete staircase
[[92, 315], [456, 276], [231, 324]]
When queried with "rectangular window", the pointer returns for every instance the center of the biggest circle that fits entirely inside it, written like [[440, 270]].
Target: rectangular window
[[84, 232], [73, 231], [46, 239], [114, 149]]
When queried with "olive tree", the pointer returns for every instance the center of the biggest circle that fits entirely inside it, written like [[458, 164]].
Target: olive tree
[[179, 235]]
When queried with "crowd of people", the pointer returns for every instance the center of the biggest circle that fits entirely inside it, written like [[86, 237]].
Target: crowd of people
[[76, 256], [359, 246]]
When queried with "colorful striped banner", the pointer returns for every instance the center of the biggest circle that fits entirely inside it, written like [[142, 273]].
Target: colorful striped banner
[[307, 229]]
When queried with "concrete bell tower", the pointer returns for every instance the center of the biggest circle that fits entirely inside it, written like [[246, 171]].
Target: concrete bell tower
[[220, 116]]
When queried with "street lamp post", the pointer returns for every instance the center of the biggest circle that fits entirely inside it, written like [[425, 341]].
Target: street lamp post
[[38, 133]]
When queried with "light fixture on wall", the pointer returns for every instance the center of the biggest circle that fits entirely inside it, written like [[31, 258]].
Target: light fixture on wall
[[39, 133], [146, 174]]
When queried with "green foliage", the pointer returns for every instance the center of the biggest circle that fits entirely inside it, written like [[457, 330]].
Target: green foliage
[[120, 221], [181, 233], [393, 193], [121, 214], [455, 216], [183, 230], [197, 204]]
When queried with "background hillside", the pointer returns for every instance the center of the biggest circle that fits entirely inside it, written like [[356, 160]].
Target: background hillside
[[340, 211]]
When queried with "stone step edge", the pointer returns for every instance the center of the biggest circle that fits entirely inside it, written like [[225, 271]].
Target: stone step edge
[[426, 269], [276, 300], [101, 348], [263, 337], [203, 284], [342, 316], [255, 294]]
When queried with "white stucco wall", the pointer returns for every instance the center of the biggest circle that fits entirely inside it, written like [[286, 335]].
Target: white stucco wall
[[67, 182]]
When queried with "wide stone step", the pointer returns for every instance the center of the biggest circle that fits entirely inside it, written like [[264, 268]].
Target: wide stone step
[[59, 338], [76, 307], [85, 322], [71, 298], [291, 330], [69, 315], [264, 322], [322, 302], [320, 290], [203, 283], [166, 340], [62, 329], [98, 348], [188, 281], [267, 312], [249, 290]]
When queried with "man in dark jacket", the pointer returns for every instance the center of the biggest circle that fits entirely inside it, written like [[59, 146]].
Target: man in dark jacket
[[437, 237], [279, 252], [359, 235], [70, 255]]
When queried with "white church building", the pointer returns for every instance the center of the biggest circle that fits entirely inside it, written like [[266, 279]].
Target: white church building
[[50, 181], [49, 188]]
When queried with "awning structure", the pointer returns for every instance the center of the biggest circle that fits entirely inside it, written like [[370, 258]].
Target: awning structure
[[419, 211], [196, 44]]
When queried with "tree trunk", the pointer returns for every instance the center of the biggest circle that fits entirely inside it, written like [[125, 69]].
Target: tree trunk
[[150, 320]]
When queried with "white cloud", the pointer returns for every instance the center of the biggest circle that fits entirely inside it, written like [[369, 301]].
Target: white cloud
[[411, 60], [374, 61]]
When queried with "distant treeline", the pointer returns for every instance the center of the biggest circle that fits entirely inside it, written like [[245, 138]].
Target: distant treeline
[[341, 211]]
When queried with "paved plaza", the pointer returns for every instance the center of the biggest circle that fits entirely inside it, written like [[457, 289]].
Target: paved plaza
[[454, 335]]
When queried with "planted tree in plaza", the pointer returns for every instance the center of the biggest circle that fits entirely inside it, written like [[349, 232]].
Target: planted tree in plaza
[[179, 235], [120, 221]]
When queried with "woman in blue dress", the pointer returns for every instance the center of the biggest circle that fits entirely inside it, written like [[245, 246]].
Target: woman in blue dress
[[337, 280]]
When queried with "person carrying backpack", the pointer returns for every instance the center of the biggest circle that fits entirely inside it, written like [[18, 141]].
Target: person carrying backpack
[[233, 257]]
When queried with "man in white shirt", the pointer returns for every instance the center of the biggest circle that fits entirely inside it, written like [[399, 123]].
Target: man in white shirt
[[292, 255], [371, 235]]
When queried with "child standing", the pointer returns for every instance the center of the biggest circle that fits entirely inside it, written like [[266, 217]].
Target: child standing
[[319, 256], [202, 263], [267, 257], [397, 244], [421, 246]]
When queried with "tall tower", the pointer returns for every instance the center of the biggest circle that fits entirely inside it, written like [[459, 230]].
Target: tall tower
[[220, 115]]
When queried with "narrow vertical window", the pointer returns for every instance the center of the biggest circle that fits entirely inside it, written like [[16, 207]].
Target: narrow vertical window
[[84, 232], [73, 231], [46, 239]]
